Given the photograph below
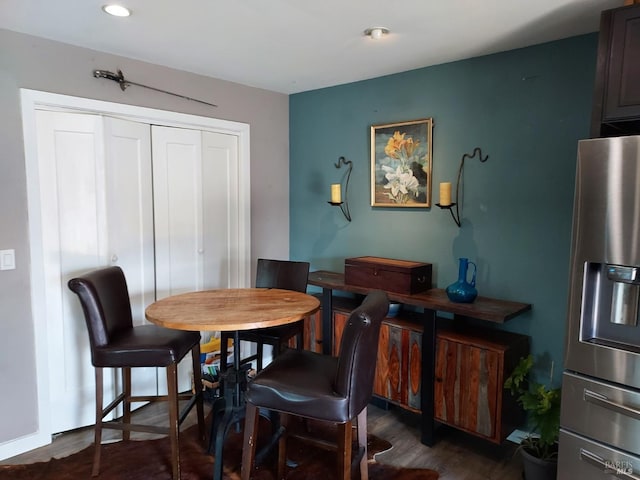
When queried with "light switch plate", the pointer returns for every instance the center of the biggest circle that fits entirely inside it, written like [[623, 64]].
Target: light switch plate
[[8, 259]]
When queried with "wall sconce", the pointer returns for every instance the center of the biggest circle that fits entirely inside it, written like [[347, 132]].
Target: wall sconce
[[445, 187], [336, 189]]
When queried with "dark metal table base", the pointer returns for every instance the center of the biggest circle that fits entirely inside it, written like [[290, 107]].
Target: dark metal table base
[[229, 410]]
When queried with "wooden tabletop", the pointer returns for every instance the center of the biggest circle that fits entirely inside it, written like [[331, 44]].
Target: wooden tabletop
[[231, 309], [482, 308]]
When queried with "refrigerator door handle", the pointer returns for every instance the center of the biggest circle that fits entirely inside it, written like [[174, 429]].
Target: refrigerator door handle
[[608, 466], [603, 401]]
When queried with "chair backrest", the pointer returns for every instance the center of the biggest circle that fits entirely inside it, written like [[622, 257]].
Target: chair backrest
[[285, 274], [359, 351], [104, 297]]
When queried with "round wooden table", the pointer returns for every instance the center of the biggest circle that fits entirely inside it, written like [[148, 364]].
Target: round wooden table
[[231, 309]]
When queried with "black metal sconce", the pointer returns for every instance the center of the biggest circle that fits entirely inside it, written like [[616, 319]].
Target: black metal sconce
[[336, 189], [446, 185]]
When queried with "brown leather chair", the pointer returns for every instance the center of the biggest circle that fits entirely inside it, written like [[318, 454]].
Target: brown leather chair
[[285, 274], [116, 343], [322, 387]]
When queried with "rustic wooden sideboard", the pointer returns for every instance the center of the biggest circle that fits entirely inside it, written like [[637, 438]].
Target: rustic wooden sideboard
[[420, 361]]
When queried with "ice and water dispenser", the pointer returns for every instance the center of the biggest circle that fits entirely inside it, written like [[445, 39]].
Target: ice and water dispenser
[[610, 305], [624, 301]]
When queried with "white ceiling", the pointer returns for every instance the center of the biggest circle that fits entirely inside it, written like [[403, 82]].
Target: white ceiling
[[291, 46]]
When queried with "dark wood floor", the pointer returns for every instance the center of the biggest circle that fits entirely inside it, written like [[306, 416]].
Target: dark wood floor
[[456, 456]]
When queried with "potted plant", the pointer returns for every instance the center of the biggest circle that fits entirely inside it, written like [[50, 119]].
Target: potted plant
[[542, 404]]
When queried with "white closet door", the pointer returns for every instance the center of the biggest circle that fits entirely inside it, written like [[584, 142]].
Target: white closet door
[[195, 188], [221, 210], [196, 202], [177, 198], [74, 241], [195, 178], [130, 223], [96, 211], [98, 192], [130, 208]]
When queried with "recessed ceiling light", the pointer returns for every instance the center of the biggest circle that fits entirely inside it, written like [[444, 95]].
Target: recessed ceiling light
[[117, 10], [376, 33]]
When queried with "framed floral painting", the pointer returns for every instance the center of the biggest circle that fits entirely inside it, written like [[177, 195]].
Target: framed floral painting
[[401, 164]]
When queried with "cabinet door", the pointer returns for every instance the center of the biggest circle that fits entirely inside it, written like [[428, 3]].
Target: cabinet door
[[399, 366], [466, 389], [414, 372], [623, 82], [339, 322], [390, 380], [312, 333]]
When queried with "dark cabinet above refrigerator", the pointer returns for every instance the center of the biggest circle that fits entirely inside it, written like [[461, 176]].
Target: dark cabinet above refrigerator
[[616, 101]]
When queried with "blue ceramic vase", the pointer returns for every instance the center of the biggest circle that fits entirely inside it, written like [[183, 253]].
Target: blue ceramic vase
[[462, 291]]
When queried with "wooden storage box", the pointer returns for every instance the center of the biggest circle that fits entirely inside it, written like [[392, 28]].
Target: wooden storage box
[[398, 276]]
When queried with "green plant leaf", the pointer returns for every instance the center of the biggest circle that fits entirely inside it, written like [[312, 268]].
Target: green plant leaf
[[542, 404], [518, 378]]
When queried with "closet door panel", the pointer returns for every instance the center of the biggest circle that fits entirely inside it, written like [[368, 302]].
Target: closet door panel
[[220, 177], [129, 202], [93, 205], [73, 220], [177, 196], [130, 209]]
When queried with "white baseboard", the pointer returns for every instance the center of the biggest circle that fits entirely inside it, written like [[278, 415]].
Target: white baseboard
[[23, 444]]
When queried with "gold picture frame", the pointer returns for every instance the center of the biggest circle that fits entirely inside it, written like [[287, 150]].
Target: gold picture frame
[[401, 164]]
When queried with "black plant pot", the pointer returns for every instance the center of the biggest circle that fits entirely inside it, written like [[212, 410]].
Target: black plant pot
[[538, 469]]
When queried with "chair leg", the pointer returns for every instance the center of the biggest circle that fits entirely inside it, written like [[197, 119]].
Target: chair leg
[[300, 335], [344, 450], [259, 350], [249, 442], [361, 424], [95, 471], [174, 427], [197, 385], [126, 401], [282, 444]]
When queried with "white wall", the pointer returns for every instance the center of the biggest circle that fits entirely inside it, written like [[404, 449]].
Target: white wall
[[39, 64]]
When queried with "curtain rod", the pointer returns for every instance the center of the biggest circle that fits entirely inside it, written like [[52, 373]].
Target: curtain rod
[[119, 78]]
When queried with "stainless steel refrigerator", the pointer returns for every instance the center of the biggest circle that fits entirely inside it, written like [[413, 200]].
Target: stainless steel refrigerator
[[600, 414]]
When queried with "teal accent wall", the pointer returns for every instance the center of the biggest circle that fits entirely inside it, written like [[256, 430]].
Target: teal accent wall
[[525, 108]]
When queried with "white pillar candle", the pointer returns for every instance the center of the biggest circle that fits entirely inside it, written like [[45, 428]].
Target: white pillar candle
[[336, 196], [445, 194]]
